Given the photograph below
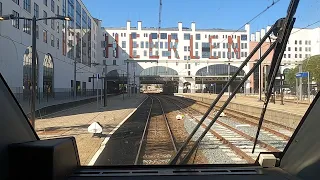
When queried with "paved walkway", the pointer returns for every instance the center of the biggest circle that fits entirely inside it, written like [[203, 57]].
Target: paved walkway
[[298, 109], [75, 121]]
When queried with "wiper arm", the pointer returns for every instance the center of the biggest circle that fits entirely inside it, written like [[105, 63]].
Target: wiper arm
[[284, 34], [178, 154], [196, 144]]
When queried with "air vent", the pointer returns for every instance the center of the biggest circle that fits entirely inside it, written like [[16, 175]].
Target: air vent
[[102, 172]]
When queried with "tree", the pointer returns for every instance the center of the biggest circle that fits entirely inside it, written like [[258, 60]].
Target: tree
[[312, 65]]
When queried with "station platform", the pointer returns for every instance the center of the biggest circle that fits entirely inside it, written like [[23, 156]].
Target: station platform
[[75, 122]]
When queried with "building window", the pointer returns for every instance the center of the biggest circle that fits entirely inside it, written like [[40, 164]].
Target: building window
[[309, 42], [185, 58], [45, 16], [153, 35], [174, 36], [163, 35], [300, 55], [198, 37], [197, 53], [197, 45], [245, 45], [166, 45], [300, 48], [27, 5], [52, 40], [306, 42], [245, 54], [45, 36], [296, 56], [161, 45], [289, 55], [15, 22], [147, 44], [289, 48], [295, 49], [285, 56], [114, 62], [58, 10], [300, 42], [295, 42], [16, 1], [45, 2], [242, 54], [186, 36], [36, 10], [27, 26], [37, 31], [123, 44], [309, 49], [52, 24], [145, 52], [58, 43], [141, 44], [52, 6], [0, 8], [185, 48], [135, 45], [58, 27], [223, 54], [134, 35], [134, 53]]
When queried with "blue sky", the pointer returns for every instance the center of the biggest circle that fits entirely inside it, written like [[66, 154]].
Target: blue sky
[[228, 14]]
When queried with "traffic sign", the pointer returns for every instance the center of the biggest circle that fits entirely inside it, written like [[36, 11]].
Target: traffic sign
[[302, 74]]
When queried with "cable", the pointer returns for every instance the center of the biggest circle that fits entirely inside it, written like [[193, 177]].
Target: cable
[[305, 27], [267, 8]]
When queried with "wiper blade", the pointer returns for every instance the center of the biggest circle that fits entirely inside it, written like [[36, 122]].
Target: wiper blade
[[283, 37]]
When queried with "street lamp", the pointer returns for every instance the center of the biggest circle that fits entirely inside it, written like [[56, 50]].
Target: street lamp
[[229, 87], [34, 43]]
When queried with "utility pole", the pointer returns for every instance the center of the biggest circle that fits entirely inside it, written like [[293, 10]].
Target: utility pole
[[75, 79], [134, 81], [122, 86], [260, 81], [300, 84], [281, 88], [229, 87], [105, 92], [34, 79], [128, 88]]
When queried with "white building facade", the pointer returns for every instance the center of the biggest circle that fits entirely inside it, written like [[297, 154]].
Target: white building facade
[[59, 44], [302, 44], [180, 52]]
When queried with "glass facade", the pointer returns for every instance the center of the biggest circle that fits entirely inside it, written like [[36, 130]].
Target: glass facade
[[218, 70], [158, 71]]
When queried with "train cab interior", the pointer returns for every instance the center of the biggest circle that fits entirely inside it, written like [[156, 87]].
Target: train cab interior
[[24, 156]]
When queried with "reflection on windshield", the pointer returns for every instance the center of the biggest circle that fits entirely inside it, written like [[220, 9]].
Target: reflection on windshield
[[135, 95]]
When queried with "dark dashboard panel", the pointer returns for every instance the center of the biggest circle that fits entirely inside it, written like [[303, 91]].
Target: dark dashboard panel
[[182, 173]]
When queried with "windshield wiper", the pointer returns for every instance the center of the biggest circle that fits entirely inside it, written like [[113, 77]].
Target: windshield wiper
[[283, 35]]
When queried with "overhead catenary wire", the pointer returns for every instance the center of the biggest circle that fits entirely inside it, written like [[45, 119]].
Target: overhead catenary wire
[[255, 17]]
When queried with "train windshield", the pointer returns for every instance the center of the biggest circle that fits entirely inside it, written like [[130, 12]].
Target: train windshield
[[166, 86]]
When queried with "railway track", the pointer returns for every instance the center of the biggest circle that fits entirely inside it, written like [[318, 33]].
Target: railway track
[[157, 144], [237, 138], [274, 128]]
